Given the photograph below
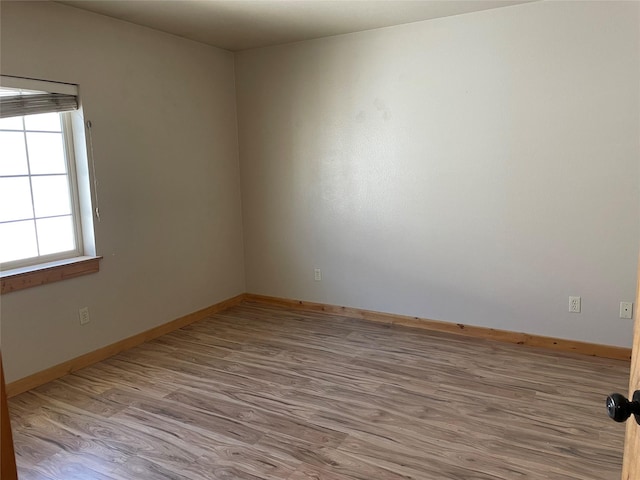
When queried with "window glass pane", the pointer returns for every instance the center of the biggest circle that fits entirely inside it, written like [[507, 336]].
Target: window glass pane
[[17, 241], [55, 235], [46, 153], [51, 195], [13, 154], [15, 199], [11, 123], [48, 122]]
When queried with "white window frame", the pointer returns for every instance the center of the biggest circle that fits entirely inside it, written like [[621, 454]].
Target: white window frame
[[71, 125]]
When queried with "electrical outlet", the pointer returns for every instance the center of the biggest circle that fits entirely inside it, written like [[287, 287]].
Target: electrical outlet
[[574, 304], [83, 313], [626, 309], [317, 274]]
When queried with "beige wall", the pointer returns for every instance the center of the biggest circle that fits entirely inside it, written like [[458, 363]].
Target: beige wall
[[477, 169], [164, 127]]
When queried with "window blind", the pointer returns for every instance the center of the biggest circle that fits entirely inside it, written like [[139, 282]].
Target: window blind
[[35, 96], [19, 105]]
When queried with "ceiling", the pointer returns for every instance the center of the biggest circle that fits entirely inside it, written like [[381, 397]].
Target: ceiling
[[242, 24]]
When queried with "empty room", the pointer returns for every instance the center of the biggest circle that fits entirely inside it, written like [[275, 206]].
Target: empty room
[[319, 240]]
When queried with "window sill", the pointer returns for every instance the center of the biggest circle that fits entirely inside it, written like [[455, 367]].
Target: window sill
[[36, 275]]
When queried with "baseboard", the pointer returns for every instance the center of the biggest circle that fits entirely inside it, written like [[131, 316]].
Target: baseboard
[[62, 369], [557, 344]]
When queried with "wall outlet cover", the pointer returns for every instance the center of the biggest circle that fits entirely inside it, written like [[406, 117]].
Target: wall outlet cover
[[626, 309], [83, 313], [575, 304]]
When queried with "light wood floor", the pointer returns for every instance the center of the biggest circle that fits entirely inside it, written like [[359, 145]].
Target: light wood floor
[[266, 393]]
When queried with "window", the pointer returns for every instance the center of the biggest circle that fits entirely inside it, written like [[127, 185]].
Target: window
[[40, 212]]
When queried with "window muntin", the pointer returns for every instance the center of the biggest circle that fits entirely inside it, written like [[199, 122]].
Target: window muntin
[[39, 214]]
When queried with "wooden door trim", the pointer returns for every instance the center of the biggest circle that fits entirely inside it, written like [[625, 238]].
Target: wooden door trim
[[7, 454], [631, 461]]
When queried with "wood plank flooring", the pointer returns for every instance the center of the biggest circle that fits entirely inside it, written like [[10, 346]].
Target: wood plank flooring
[[265, 393]]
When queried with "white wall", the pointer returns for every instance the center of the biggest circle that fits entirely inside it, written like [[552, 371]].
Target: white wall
[[476, 169], [164, 126]]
